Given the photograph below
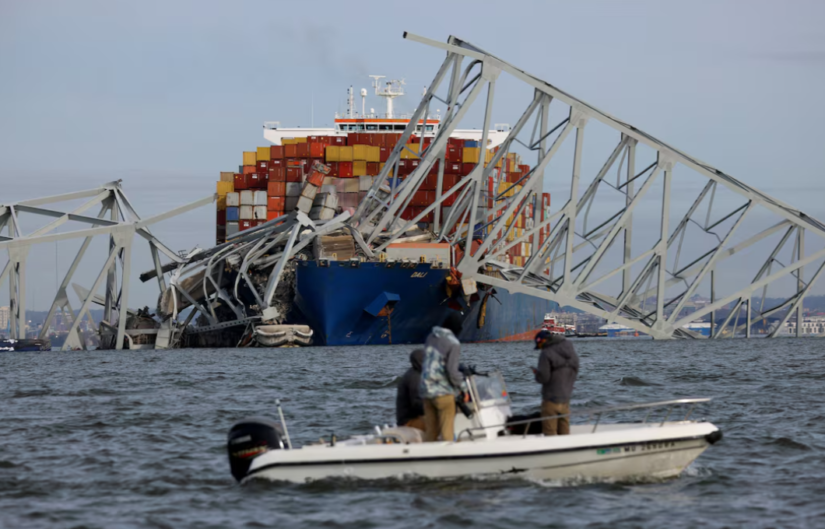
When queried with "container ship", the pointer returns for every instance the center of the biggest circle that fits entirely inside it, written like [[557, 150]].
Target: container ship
[[399, 295]]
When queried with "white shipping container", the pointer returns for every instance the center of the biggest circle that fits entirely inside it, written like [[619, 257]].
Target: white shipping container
[[351, 185], [259, 198], [259, 212], [329, 189], [321, 213], [233, 199], [326, 200], [247, 198], [309, 192], [293, 189], [246, 212], [365, 182], [232, 228], [304, 204], [348, 200]]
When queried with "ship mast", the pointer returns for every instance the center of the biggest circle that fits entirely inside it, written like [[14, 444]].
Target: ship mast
[[391, 89]]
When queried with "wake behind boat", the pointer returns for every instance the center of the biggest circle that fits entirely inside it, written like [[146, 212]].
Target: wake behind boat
[[489, 443]]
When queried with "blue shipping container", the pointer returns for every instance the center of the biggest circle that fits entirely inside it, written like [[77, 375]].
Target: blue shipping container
[[470, 143], [233, 213]]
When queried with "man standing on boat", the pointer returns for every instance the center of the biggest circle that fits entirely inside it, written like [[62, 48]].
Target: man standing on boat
[[441, 380], [409, 409], [557, 371]]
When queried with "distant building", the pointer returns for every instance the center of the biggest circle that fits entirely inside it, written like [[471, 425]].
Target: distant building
[[615, 330], [812, 325], [5, 315]]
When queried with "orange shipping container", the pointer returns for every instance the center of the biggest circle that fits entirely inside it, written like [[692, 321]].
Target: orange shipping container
[[276, 152], [276, 189], [291, 151], [275, 203]]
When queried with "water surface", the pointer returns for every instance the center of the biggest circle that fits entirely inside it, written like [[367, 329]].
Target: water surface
[[136, 439]]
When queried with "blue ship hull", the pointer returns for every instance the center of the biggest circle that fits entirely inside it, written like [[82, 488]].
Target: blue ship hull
[[346, 305]]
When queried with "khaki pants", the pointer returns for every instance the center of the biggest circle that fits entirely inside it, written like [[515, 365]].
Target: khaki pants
[[439, 418], [560, 426], [418, 422]]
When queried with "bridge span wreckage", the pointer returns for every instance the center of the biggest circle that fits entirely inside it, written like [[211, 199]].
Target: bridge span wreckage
[[711, 234]]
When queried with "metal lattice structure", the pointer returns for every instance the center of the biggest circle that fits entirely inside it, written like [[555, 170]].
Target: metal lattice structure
[[568, 261], [117, 220]]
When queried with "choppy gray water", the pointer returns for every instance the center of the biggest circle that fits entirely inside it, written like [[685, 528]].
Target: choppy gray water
[[135, 439]]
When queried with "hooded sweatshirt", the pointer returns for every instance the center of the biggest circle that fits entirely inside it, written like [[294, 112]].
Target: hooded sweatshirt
[[440, 375], [558, 369], [408, 403]]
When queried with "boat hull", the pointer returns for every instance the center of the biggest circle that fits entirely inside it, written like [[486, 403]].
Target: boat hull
[[586, 457], [337, 300]]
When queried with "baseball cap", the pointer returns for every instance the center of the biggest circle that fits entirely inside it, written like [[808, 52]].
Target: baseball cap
[[542, 336]]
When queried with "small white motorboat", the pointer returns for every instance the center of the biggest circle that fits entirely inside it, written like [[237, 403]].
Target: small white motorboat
[[489, 443]]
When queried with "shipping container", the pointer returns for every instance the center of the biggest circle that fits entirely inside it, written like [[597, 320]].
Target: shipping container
[[345, 170], [373, 168], [233, 213], [276, 189], [359, 168], [233, 199], [290, 203], [259, 212], [345, 154], [250, 158], [274, 214], [470, 155], [221, 203], [263, 166], [422, 198], [247, 198], [291, 151], [384, 153], [245, 224], [293, 189], [223, 188], [227, 177], [255, 181], [240, 182], [332, 154], [276, 152], [259, 198], [359, 153], [315, 178], [232, 228], [275, 204], [263, 154], [294, 174], [249, 169], [276, 174], [246, 212]]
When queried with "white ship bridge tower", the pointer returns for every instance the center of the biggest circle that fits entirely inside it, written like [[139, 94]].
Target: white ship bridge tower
[[391, 89]]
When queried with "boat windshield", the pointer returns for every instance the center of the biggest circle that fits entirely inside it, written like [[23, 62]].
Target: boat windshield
[[490, 389]]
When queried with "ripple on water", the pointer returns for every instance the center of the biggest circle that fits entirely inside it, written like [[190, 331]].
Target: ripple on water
[[137, 438]]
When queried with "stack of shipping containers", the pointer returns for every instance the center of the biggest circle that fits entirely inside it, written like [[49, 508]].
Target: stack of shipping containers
[[271, 179]]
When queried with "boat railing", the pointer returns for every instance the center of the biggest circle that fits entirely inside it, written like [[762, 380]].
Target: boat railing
[[595, 415]]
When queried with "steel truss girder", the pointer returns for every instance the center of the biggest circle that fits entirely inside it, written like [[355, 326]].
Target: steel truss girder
[[577, 283], [120, 228]]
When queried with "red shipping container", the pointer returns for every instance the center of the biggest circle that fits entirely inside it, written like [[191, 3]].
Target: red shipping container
[[384, 153], [275, 189], [344, 169], [291, 151], [295, 162], [467, 168], [333, 168], [294, 174], [245, 224], [315, 139], [352, 138], [430, 183], [221, 218], [403, 169], [379, 140], [275, 203], [449, 201], [249, 169], [315, 178], [412, 165], [341, 141], [313, 161], [315, 150], [263, 166], [373, 168], [276, 163], [302, 150], [452, 168], [276, 152], [514, 177], [422, 198], [453, 153], [429, 217], [240, 182], [254, 181], [449, 181], [457, 142], [276, 174]]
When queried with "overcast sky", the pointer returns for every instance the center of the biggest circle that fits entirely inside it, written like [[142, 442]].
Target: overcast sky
[[164, 95]]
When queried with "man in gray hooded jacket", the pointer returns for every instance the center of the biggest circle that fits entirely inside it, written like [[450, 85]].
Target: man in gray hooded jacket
[[557, 371], [441, 379]]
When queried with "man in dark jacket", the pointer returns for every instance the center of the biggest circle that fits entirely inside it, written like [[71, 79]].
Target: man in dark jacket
[[409, 408], [557, 371]]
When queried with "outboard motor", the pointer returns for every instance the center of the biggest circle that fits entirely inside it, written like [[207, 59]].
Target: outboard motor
[[249, 438]]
